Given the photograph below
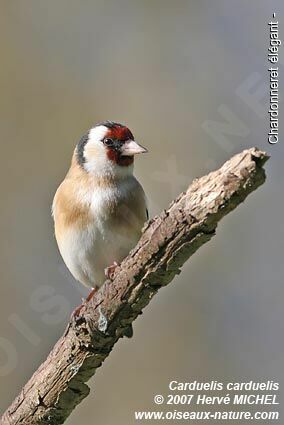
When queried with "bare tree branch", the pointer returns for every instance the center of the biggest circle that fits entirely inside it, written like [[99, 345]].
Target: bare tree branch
[[167, 242]]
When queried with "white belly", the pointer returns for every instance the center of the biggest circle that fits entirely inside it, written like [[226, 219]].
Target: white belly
[[108, 238], [88, 252]]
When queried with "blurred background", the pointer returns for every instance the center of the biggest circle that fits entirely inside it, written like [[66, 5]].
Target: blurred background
[[174, 72]]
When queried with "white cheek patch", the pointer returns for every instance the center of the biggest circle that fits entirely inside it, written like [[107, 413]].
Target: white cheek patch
[[97, 134], [96, 160], [95, 153]]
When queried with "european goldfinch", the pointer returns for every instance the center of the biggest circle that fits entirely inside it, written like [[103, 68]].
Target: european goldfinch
[[100, 208]]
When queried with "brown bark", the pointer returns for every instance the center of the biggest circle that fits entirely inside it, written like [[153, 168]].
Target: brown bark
[[167, 242]]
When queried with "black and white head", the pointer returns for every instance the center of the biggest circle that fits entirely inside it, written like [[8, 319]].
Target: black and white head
[[108, 149]]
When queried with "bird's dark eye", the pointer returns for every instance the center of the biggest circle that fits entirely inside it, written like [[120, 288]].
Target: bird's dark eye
[[108, 142]]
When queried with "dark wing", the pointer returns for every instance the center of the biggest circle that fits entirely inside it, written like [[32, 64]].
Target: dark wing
[[147, 213]]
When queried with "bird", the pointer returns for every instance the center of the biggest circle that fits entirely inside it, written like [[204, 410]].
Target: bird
[[99, 209]]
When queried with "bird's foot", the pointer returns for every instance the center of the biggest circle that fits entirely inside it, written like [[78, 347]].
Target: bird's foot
[[91, 294], [76, 312], [109, 271]]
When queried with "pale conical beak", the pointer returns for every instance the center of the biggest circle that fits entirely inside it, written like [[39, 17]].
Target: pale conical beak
[[131, 148]]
